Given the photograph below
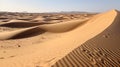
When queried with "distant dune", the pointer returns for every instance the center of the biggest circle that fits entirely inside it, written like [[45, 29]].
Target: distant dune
[[90, 42]]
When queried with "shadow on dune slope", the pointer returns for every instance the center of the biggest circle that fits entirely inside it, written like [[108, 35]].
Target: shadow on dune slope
[[21, 24], [29, 33]]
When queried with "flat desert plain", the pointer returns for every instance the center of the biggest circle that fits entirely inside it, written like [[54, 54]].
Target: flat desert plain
[[60, 39]]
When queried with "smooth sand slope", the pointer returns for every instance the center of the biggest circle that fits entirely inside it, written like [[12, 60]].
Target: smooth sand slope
[[89, 44]]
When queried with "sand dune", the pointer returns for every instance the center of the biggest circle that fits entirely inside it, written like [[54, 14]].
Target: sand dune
[[10, 34], [101, 50], [59, 27], [12, 21], [39, 18], [94, 42]]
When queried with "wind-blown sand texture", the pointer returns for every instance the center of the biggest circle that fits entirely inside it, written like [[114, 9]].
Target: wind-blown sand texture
[[89, 42]]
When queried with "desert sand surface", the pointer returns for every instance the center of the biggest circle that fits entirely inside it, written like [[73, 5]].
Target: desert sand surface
[[60, 40]]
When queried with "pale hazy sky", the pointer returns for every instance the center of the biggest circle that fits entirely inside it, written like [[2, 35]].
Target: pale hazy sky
[[58, 5]]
